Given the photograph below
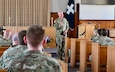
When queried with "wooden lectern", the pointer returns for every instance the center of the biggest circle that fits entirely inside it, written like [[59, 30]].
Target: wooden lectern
[[85, 30]]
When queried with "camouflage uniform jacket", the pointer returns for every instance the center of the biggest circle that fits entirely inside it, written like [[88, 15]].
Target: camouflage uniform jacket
[[34, 61], [60, 29], [95, 38], [5, 41], [106, 41], [9, 55]]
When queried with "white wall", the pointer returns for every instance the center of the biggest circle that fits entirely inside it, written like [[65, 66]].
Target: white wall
[[58, 5], [97, 12], [87, 12]]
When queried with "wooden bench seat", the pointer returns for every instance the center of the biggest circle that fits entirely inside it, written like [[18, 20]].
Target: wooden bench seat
[[49, 31], [2, 70], [2, 49], [64, 65], [99, 58], [67, 47], [85, 51], [75, 51], [111, 59]]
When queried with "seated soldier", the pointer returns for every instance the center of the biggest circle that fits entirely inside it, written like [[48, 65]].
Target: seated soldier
[[32, 60], [105, 40], [11, 52], [97, 34], [5, 40]]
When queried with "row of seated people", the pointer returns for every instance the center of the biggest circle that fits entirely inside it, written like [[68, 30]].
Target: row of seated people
[[27, 55], [5, 40], [101, 37]]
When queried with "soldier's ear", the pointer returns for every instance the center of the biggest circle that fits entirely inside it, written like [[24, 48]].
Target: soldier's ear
[[25, 39]]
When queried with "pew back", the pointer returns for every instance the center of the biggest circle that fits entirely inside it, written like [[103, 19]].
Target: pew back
[[99, 58], [85, 51], [67, 47], [63, 65], [2, 70], [75, 51], [111, 59], [49, 31]]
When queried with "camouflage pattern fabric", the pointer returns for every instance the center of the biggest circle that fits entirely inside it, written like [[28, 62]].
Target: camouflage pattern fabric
[[5, 41], [61, 48], [95, 38], [9, 55], [34, 61], [106, 41], [60, 38]]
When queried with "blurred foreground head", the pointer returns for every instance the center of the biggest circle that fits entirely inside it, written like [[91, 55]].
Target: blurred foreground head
[[35, 35], [6, 34]]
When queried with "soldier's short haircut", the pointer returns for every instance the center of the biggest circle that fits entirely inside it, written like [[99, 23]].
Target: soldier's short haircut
[[99, 32], [104, 32], [35, 35], [21, 34]]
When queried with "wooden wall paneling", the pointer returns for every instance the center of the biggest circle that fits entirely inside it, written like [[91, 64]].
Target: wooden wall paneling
[[49, 31], [103, 23]]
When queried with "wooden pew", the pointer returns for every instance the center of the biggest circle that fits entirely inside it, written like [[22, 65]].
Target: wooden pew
[[67, 47], [85, 51], [2, 49], [3, 70], [75, 51], [99, 58], [49, 31], [64, 65], [111, 59]]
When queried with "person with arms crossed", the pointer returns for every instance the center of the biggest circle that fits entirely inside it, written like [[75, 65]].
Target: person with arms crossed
[[61, 25]]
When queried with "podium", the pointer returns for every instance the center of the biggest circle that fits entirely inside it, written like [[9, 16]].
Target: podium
[[85, 30]]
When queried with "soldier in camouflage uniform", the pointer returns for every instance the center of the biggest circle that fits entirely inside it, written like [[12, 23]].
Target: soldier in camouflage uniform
[[11, 52], [105, 40], [62, 26], [96, 36], [5, 40], [32, 60]]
